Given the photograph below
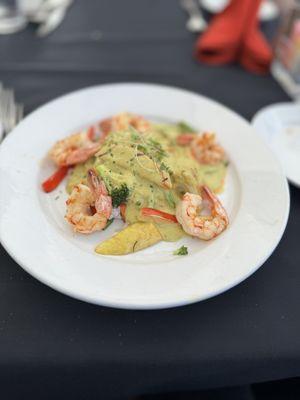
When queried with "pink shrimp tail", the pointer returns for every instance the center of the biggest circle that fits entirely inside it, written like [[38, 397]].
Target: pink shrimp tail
[[103, 202], [214, 202], [103, 205], [102, 189], [207, 194], [81, 155]]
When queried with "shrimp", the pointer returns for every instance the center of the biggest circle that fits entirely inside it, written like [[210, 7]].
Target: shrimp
[[82, 203], [74, 149], [103, 202], [206, 151], [123, 121], [205, 227]]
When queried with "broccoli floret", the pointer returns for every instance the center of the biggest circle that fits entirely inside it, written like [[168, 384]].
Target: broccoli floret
[[182, 251], [119, 195]]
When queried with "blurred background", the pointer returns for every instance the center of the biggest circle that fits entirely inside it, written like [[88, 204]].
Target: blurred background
[[243, 53], [121, 40]]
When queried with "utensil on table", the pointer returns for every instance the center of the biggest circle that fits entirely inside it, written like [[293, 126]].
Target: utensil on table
[[52, 22], [196, 21], [11, 20], [11, 112], [48, 14]]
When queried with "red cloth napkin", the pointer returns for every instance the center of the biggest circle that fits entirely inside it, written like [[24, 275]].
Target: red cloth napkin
[[234, 35]]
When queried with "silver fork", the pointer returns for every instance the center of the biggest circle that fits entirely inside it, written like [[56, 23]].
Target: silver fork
[[11, 112]]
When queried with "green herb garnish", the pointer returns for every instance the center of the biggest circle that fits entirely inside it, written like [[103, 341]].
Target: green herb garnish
[[164, 167], [108, 223], [154, 143], [142, 148], [151, 148], [134, 135], [119, 195], [185, 128], [156, 149], [170, 199], [182, 251]]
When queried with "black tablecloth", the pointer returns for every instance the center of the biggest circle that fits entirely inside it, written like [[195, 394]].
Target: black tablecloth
[[51, 344]]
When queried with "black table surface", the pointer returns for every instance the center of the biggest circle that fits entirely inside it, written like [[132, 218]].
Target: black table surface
[[53, 345]]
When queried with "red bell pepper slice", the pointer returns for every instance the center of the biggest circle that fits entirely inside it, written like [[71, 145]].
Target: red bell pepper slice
[[151, 212], [123, 211], [54, 180]]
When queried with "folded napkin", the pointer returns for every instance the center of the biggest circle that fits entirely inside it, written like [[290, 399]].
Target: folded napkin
[[234, 35]]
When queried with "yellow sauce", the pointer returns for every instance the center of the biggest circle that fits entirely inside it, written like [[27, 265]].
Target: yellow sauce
[[155, 169]]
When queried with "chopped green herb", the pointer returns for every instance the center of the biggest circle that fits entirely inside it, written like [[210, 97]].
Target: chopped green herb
[[184, 127], [164, 167], [182, 251], [119, 195], [109, 222], [154, 143], [138, 203], [163, 133], [170, 199], [142, 148], [152, 149], [156, 149], [226, 163], [132, 129], [134, 135]]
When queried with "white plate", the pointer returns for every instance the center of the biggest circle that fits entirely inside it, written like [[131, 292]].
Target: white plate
[[33, 230], [279, 125]]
